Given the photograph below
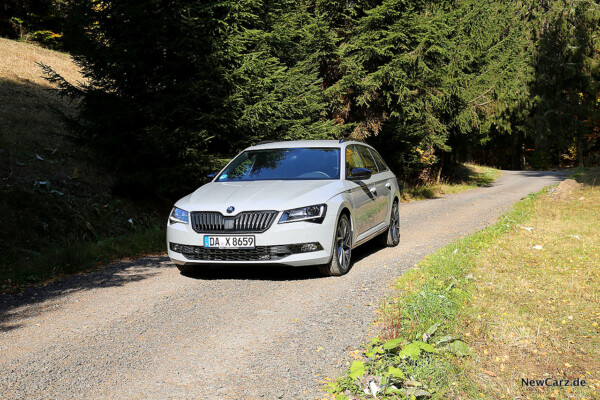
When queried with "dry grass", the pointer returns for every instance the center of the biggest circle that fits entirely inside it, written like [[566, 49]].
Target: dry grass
[[536, 311], [19, 63], [31, 126]]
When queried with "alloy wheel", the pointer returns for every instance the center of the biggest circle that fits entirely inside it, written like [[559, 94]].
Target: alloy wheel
[[343, 241], [395, 223]]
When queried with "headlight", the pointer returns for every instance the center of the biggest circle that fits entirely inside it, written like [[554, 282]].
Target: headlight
[[308, 214], [179, 215]]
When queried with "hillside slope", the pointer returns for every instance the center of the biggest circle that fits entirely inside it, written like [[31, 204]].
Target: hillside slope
[[58, 213], [30, 121]]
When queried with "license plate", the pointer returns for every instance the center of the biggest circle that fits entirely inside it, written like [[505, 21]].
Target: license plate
[[229, 242]]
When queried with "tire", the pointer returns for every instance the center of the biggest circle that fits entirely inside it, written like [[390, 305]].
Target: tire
[[187, 270], [342, 249], [391, 237]]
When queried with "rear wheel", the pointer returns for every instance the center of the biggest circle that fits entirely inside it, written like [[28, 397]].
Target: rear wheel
[[391, 237], [342, 250]]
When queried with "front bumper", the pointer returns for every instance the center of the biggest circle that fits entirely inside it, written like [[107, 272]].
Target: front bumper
[[277, 245]]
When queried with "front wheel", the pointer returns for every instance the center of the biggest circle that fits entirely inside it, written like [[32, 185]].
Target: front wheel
[[391, 237], [342, 250]]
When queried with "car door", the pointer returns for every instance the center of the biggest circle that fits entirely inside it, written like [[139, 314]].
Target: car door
[[378, 181], [363, 194]]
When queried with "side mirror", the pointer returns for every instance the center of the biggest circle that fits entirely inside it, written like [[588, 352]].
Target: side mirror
[[358, 174], [212, 175]]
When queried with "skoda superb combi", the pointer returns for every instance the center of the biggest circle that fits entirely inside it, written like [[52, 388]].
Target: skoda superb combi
[[294, 203]]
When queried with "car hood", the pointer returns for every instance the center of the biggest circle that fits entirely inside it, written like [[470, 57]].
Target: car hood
[[260, 195]]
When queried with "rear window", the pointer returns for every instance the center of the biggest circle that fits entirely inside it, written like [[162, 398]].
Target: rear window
[[380, 163], [368, 159]]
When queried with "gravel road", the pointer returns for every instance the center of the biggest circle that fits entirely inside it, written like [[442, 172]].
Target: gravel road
[[140, 330]]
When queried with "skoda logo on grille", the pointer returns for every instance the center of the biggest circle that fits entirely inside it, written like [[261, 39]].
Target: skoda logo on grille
[[230, 209]]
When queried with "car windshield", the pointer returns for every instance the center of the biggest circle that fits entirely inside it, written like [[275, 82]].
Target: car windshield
[[284, 164]]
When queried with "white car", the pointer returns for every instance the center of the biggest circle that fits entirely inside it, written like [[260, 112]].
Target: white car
[[292, 203]]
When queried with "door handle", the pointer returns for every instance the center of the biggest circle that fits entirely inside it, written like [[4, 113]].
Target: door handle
[[389, 186]]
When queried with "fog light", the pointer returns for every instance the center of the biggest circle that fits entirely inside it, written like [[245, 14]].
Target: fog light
[[304, 247], [176, 247], [308, 247]]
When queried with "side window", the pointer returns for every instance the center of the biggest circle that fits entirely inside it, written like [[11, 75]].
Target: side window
[[353, 159], [368, 159], [380, 163]]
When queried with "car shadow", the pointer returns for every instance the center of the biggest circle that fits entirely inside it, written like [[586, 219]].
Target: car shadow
[[262, 272], [253, 272]]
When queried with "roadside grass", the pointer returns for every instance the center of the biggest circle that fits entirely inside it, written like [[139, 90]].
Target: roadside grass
[[535, 311], [58, 215], [466, 177], [522, 313]]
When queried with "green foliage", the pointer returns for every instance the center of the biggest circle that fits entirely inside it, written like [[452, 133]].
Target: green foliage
[[395, 368], [567, 76], [47, 38], [357, 369], [419, 353], [457, 347], [40, 21], [391, 344], [174, 85], [426, 75]]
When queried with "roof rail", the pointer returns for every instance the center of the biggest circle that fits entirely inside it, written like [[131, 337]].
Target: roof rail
[[265, 142], [349, 139]]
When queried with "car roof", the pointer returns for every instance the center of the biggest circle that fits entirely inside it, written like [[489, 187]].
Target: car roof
[[303, 143]]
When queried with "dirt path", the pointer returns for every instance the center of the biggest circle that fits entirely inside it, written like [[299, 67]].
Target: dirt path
[[140, 330]]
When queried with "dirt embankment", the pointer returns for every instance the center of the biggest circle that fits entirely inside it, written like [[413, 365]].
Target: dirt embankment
[[565, 189]]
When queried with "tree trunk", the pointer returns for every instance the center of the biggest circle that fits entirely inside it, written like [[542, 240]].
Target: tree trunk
[[439, 174], [580, 139], [517, 149]]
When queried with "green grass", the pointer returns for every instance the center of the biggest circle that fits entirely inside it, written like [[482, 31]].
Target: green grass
[[509, 303], [71, 258], [466, 177], [51, 231]]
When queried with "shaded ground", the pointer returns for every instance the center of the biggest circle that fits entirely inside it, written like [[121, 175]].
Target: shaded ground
[[141, 330]]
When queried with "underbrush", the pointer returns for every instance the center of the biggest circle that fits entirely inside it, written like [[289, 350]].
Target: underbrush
[[47, 232]]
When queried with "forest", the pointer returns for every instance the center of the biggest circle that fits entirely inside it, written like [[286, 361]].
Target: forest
[[173, 89]]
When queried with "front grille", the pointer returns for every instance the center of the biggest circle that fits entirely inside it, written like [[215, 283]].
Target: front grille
[[245, 222], [259, 253]]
